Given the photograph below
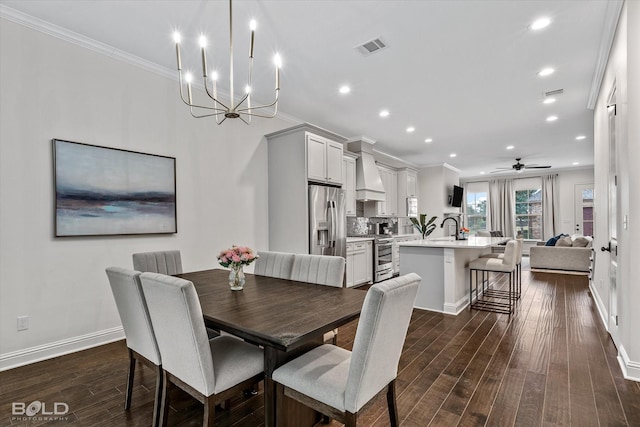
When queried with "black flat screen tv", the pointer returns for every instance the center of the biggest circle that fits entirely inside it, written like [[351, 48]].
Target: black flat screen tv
[[456, 199]]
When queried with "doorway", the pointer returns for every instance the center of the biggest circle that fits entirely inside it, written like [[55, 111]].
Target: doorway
[[585, 215], [612, 201]]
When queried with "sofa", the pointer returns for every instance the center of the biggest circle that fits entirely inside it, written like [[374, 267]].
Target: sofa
[[568, 254]]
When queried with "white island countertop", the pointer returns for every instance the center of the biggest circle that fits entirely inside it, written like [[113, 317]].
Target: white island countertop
[[450, 242]]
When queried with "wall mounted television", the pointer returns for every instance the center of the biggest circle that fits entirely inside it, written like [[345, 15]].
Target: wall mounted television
[[102, 191], [456, 198]]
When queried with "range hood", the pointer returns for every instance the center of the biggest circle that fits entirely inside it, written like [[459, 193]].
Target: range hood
[[368, 183]]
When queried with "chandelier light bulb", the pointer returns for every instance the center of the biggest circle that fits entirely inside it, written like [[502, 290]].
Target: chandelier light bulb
[[277, 60], [188, 77], [214, 75], [203, 41], [540, 23], [247, 89], [176, 37], [252, 25]]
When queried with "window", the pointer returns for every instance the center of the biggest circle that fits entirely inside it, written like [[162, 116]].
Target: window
[[477, 211], [529, 214]]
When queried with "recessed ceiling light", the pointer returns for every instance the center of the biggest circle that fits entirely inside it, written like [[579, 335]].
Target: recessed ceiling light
[[345, 89], [384, 113], [552, 118], [452, 155], [428, 140], [580, 137], [482, 173], [576, 163], [541, 23], [411, 129], [510, 147], [546, 71], [549, 101]]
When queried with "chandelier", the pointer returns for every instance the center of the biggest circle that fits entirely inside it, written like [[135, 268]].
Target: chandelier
[[243, 109]]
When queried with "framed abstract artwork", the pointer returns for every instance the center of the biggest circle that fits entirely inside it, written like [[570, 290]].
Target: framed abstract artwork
[[102, 191]]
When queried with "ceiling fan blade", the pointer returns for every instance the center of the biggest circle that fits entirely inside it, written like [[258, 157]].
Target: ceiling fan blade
[[536, 167], [501, 171]]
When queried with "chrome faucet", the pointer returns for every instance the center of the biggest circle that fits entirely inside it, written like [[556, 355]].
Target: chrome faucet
[[454, 220]]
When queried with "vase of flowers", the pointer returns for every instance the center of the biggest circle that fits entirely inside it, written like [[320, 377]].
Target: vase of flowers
[[463, 233], [236, 257]]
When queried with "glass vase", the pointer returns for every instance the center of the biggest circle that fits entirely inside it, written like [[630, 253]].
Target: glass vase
[[236, 278]]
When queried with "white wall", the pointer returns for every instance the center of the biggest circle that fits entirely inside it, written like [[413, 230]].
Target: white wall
[[54, 89], [434, 186], [624, 61]]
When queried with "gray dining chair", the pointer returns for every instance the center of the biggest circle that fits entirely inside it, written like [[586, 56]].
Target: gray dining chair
[[274, 264], [321, 270], [338, 382], [138, 331], [211, 371], [163, 262]]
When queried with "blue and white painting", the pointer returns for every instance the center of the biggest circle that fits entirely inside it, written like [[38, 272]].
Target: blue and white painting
[[105, 191]]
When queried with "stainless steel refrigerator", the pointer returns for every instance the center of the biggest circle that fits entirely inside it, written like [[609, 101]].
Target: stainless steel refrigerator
[[327, 221]]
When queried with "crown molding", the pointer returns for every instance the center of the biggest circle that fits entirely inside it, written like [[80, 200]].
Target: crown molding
[[612, 15]]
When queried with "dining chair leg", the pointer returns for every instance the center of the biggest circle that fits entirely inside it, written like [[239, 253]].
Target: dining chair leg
[[209, 412], [157, 404], [391, 402], [164, 406], [132, 370]]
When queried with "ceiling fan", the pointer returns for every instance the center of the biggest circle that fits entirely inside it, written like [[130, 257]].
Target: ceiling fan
[[518, 167]]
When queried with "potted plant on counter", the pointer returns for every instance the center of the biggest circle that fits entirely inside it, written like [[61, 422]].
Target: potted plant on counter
[[425, 228]]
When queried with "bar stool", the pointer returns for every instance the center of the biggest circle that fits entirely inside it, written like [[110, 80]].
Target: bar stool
[[493, 299], [518, 287]]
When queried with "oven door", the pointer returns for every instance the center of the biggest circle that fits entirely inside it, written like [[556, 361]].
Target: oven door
[[383, 255]]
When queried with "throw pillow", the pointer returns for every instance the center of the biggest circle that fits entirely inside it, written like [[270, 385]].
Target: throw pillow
[[552, 241], [564, 242], [580, 242]]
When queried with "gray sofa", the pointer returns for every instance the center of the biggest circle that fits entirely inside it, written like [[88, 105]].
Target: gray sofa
[[560, 258]]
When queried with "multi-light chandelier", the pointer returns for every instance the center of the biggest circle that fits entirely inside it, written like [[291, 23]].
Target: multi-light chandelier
[[243, 109]]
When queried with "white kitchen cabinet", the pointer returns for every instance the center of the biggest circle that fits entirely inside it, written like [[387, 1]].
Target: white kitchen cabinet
[[349, 184], [407, 187], [324, 160], [297, 156], [359, 263], [388, 207]]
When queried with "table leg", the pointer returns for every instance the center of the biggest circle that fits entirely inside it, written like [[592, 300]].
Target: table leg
[[270, 364]]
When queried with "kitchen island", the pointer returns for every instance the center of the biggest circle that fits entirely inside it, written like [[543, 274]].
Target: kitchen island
[[442, 264]]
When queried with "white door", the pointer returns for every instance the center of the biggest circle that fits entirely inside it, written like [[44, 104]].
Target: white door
[[584, 209], [612, 247]]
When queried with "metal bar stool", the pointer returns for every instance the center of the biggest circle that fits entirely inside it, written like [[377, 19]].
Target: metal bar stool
[[490, 299]]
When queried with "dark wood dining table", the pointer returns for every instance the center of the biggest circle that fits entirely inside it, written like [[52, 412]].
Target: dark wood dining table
[[286, 317]]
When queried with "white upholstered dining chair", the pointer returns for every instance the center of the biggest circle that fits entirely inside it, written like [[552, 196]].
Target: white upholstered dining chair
[[321, 270], [138, 331], [338, 382], [209, 370], [163, 262], [274, 264]]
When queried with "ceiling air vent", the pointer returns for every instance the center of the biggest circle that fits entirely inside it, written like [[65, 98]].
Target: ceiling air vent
[[554, 92], [371, 46]]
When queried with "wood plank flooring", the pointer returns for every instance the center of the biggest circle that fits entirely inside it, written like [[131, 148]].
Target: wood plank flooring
[[550, 364]]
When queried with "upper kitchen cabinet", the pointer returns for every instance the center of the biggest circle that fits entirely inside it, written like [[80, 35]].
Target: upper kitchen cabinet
[[349, 184], [324, 160], [298, 156], [407, 188], [389, 207]]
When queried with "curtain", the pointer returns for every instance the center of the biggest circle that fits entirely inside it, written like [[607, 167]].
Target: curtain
[[550, 206], [501, 215]]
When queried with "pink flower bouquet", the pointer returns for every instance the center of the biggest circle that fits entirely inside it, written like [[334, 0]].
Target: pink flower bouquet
[[236, 256]]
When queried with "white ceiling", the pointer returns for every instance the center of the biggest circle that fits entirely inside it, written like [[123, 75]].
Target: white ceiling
[[461, 72]]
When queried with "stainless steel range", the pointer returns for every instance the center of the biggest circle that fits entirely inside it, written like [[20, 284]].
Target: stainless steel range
[[382, 256]]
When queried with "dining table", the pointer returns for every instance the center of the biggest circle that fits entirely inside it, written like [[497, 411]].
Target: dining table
[[285, 317]]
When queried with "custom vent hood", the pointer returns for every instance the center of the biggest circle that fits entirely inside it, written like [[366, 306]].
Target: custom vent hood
[[368, 183]]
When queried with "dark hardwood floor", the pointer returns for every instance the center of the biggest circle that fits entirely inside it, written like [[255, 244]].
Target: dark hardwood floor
[[550, 364]]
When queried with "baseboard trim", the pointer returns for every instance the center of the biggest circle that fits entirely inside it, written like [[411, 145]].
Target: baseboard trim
[[38, 353], [599, 305], [630, 369], [457, 307]]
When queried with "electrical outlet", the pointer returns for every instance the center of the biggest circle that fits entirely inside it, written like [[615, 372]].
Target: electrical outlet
[[23, 323]]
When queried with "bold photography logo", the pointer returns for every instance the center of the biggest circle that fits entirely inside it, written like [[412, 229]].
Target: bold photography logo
[[39, 410]]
